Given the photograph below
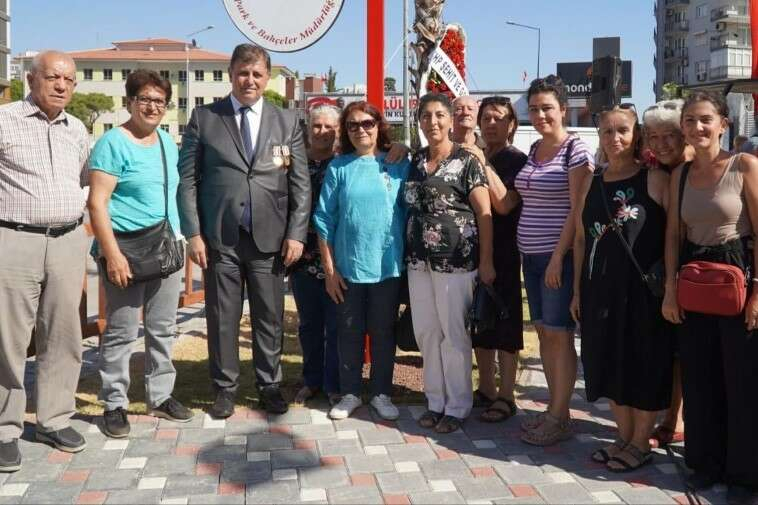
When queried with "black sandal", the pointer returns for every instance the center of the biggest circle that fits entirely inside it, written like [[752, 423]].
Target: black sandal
[[429, 419], [481, 399], [496, 414], [448, 424], [603, 455], [639, 459]]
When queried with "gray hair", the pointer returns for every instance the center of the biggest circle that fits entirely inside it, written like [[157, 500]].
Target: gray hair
[[664, 113], [324, 110]]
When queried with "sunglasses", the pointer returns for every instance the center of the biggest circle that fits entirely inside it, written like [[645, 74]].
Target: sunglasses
[[668, 105], [495, 100], [366, 124]]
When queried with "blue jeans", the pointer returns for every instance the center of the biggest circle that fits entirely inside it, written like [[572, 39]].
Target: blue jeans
[[548, 307], [317, 332]]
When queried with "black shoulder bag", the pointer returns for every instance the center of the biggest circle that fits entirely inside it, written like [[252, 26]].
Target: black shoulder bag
[[487, 309], [152, 252], [655, 277]]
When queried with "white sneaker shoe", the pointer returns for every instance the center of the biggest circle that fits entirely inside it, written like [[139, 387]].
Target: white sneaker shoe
[[345, 407], [385, 408]]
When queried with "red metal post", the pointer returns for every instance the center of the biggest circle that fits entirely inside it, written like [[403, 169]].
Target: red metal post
[[375, 53], [753, 6]]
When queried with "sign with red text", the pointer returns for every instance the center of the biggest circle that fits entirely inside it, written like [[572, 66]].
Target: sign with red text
[[283, 26]]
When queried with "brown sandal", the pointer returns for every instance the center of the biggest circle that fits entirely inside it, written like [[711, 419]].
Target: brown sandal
[[429, 419], [496, 412], [448, 424], [636, 459], [605, 454], [550, 432], [533, 421]]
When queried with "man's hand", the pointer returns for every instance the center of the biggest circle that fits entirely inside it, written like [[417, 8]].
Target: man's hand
[[478, 153], [198, 251], [291, 251]]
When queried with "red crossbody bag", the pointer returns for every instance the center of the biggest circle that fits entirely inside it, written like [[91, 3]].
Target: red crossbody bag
[[708, 287]]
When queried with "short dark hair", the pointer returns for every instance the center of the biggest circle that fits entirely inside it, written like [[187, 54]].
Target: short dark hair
[[440, 98], [499, 101], [383, 141], [716, 99], [250, 53], [142, 77], [550, 84]]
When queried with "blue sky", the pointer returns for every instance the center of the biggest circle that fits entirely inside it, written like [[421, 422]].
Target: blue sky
[[497, 53]]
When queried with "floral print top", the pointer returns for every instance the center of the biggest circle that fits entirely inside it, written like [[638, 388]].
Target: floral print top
[[441, 232], [310, 261]]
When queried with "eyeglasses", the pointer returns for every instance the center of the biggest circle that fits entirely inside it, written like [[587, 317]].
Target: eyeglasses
[[144, 101], [366, 124]]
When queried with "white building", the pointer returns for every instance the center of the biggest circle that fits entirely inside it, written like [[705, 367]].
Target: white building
[[5, 50]]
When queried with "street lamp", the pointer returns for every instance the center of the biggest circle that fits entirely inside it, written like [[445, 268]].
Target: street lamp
[[539, 37], [187, 71]]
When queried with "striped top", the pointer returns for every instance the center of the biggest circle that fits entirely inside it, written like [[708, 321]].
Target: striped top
[[544, 190]]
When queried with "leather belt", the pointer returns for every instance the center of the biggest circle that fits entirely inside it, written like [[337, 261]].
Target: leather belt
[[48, 231]]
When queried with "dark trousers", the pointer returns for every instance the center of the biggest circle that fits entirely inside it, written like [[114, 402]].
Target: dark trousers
[[720, 389], [228, 274], [368, 308], [317, 332]]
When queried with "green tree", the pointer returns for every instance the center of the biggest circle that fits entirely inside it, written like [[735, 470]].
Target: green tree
[[17, 89], [89, 106], [331, 81], [390, 84], [275, 98], [672, 90]]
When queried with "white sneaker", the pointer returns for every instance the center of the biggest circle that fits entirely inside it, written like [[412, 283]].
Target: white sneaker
[[345, 407], [385, 408]]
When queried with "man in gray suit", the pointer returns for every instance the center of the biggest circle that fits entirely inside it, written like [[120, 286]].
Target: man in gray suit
[[244, 202]]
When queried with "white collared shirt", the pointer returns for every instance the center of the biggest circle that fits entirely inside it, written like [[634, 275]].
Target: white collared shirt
[[253, 118]]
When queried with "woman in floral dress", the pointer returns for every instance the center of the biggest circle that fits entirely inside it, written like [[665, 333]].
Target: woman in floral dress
[[448, 242]]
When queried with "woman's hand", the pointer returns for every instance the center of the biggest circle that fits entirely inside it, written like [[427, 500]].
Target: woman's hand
[[554, 272], [397, 153], [478, 153], [670, 307], [574, 308], [751, 312], [118, 269], [335, 285], [486, 273]]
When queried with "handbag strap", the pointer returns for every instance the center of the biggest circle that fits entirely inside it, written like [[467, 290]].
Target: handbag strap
[[502, 309], [165, 177], [614, 225]]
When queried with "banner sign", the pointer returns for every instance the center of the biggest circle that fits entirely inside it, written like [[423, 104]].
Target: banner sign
[[445, 68], [578, 78], [283, 26]]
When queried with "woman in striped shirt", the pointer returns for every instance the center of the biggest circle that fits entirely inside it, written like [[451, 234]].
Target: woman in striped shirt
[[549, 184]]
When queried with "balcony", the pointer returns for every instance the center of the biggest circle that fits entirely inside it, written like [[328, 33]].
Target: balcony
[[730, 72], [730, 14], [673, 3], [677, 26], [721, 43], [676, 54]]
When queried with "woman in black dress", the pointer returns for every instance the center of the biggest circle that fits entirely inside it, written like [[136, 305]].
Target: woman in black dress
[[626, 352], [497, 121]]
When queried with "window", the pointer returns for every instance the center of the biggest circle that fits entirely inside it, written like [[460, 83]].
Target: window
[[125, 73], [701, 11], [165, 74], [182, 102], [701, 39], [199, 75], [182, 75], [181, 129], [123, 102], [164, 127], [701, 66], [87, 74], [218, 75], [107, 74], [217, 98], [107, 126], [199, 100]]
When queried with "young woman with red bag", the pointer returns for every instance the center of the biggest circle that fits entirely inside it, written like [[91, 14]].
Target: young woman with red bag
[[714, 219]]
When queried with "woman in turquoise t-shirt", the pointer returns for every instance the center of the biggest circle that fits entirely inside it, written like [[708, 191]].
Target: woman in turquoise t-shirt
[[361, 222], [126, 194]]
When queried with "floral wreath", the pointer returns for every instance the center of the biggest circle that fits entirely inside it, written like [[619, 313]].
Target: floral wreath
[[454, 45]]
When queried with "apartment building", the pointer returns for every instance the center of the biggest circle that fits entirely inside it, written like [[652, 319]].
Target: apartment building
[[700, 41], [5, 50], [197, 77]]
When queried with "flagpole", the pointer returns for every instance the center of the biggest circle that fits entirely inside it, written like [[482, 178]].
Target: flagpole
[[406, 83]]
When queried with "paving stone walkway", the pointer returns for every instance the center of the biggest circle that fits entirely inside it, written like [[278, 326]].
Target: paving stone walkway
[[303, 456]]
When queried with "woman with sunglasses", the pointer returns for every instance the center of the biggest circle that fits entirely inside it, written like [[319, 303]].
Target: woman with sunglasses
[[498, 349], [549, 187], [663, 136], [716, 221], [127, 194], [627, 352], [448, 243], [360, 221]]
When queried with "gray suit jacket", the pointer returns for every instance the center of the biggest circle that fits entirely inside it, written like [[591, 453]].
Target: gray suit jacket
[[215, 179]]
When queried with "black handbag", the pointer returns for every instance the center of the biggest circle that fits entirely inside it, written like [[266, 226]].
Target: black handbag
[[655, 277], [152, 252], [404, 336], [486, 311]]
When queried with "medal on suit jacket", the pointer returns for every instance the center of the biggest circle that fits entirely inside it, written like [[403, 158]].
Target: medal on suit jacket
[[286, 155], [277, 156]]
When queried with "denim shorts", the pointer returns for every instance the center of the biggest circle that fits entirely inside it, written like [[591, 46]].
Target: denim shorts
[[548, 307]]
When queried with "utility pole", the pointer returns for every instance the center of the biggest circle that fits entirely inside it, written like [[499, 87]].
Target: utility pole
[[406, 82]]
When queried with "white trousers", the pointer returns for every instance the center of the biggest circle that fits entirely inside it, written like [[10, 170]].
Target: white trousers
[[439, 303]]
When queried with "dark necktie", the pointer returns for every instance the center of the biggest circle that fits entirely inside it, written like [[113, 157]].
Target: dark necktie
[[246, 221]]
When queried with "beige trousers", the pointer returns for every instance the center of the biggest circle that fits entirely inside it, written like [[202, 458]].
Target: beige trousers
[[40, 289]]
